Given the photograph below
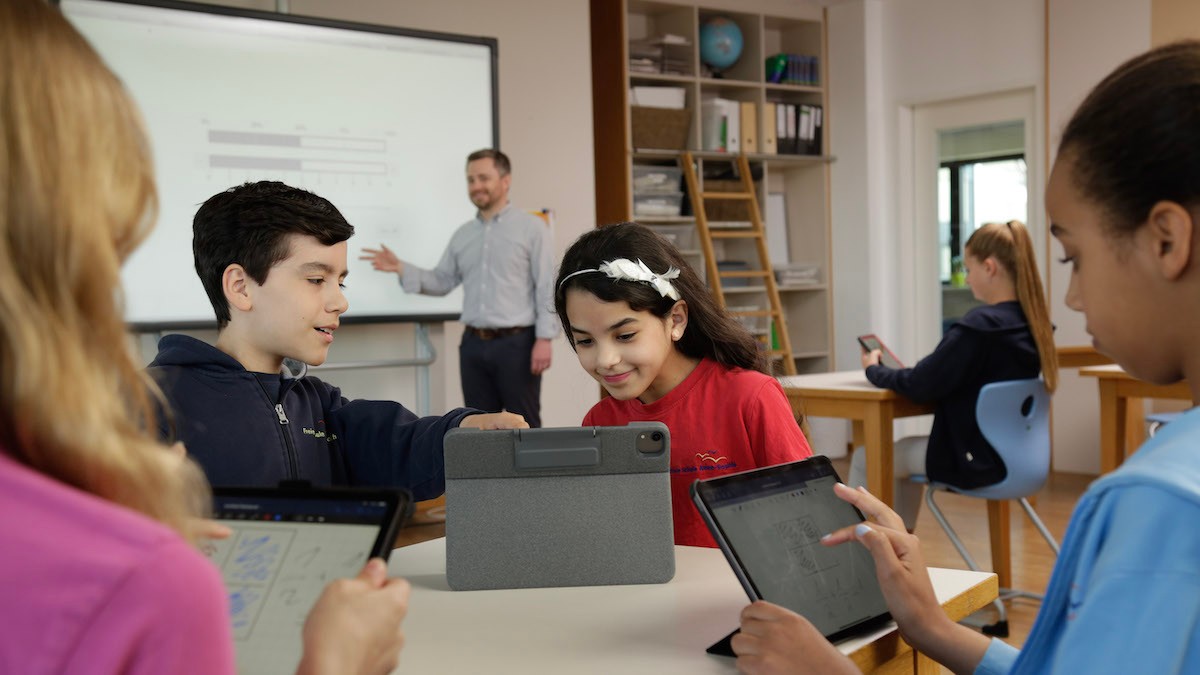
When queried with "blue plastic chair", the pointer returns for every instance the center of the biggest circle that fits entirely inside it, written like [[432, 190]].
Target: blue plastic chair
[[1014, 417]]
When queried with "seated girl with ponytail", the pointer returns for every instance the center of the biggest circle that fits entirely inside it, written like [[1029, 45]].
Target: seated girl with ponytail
[[1008, 338]]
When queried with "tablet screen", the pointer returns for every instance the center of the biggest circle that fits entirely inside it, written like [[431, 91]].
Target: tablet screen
[[286, 546], [770, 521]]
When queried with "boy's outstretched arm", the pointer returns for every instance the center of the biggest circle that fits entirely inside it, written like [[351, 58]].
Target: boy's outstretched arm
[[387, 445]]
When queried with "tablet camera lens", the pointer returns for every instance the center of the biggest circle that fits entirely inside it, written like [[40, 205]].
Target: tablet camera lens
[[651, 443]]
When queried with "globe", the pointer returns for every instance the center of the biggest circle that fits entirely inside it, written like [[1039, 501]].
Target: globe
[[720, 43]]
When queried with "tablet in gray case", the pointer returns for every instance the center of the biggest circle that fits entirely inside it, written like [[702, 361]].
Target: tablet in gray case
[[578, 506]]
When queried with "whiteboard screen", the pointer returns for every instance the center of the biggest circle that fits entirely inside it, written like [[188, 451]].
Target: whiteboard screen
[[376, 119]]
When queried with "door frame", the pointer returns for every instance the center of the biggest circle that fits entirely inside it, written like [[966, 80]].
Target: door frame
[[923, 330]]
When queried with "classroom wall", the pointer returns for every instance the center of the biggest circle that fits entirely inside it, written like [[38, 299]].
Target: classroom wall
[[545, 126], [857, 124], [1086, 40]]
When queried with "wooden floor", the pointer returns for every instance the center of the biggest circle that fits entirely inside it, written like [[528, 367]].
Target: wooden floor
[[1032, 559]]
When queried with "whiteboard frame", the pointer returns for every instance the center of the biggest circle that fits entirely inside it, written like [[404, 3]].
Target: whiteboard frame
[[491, 43]]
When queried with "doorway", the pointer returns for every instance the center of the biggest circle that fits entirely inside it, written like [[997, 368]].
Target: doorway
[[974, 163], [982, 178]]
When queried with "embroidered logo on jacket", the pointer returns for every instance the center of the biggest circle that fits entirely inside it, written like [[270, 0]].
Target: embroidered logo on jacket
[[318, 433]]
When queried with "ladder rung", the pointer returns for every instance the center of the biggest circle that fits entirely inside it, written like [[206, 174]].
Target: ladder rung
[[781, 357]]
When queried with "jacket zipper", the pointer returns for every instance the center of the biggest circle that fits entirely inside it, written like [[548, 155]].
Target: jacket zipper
[[293, 469], [293, 456], [288, 446]]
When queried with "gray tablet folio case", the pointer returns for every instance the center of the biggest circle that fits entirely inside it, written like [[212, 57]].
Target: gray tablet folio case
[[558, 507]]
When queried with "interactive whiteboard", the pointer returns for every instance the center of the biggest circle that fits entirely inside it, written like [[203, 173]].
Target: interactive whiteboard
[[378, 120]]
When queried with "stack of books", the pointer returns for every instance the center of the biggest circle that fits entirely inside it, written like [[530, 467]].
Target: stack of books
[[664, 54], [793, 69]]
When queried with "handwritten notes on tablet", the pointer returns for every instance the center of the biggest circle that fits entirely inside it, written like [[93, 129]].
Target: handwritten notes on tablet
[[274, 572]]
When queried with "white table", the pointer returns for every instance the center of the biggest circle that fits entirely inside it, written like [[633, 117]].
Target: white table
[[658, 628]]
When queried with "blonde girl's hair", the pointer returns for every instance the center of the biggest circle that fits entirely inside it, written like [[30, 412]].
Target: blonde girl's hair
[[1010, 245], [77, 197]]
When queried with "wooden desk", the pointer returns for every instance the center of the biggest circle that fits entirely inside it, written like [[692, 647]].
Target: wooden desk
[[847, 394], [654, 628], [1080, 356], [1122, 410]]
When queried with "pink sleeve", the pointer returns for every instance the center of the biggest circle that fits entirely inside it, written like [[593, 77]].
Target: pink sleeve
[[774, 433], [169, 615]]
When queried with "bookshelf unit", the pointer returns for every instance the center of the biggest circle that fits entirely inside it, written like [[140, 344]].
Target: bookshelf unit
[[801, 179]]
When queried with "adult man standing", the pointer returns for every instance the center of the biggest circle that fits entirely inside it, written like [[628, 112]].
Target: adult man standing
[[504, 259]]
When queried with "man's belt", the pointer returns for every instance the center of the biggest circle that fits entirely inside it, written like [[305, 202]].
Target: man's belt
[[493, 333]]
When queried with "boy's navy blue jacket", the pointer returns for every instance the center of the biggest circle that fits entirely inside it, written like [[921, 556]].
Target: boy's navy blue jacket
[[991, 343], [241, 436]]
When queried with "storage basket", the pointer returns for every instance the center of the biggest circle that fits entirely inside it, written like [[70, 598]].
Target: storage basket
[[725, 210], [660, 128]]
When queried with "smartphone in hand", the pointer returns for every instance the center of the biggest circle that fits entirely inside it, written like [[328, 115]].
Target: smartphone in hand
[[870, 342]]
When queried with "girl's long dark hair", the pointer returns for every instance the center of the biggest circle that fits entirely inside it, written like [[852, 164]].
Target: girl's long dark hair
[[710, 333]]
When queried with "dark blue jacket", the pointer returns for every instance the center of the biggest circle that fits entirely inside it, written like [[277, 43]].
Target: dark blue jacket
[[241, 436], [991, 343]]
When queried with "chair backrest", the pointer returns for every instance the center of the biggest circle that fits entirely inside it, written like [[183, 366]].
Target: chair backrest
[[1014, 417]]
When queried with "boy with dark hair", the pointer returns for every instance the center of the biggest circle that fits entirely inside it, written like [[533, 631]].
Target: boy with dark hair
[[272, 259]]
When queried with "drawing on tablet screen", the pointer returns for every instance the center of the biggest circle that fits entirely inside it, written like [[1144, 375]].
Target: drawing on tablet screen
[[274, 572], [250, 565], [799, 535]]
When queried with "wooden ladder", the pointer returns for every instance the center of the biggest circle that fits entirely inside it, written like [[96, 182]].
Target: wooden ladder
[[757, 232]]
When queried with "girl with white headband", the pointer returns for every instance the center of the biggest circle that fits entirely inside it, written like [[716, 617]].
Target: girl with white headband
[[648, 330]]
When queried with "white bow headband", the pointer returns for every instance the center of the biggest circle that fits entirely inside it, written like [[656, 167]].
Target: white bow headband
[[624, 269]]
